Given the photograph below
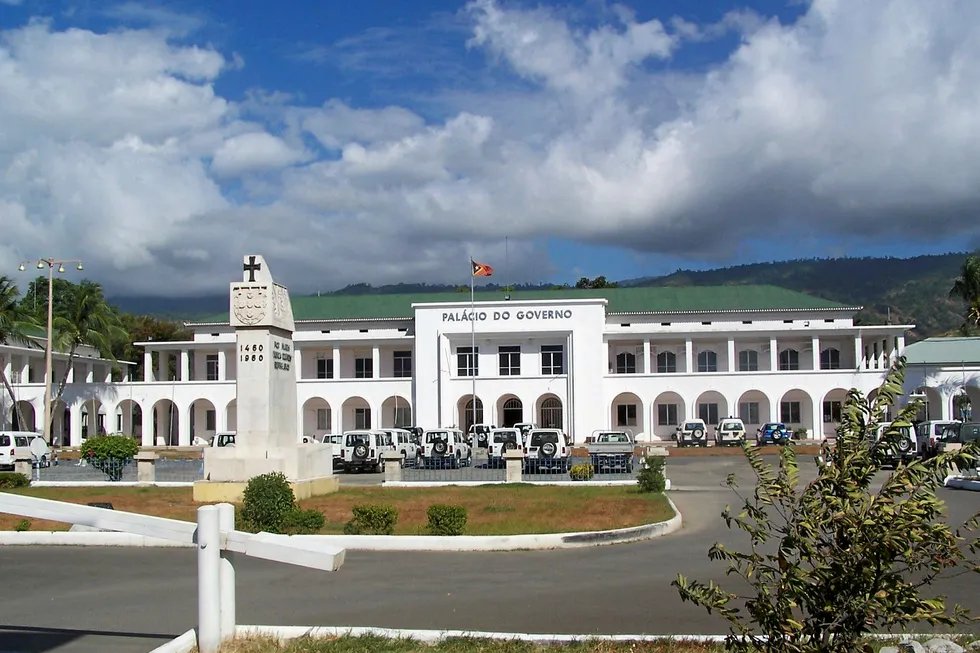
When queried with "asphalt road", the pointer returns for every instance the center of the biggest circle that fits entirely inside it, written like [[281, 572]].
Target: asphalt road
[[108, 600]]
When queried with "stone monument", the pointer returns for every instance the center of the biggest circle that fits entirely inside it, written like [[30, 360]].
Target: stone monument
[[267, 437]]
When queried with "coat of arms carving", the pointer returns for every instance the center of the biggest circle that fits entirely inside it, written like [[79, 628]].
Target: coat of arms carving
[[279, 300], [250, 303]]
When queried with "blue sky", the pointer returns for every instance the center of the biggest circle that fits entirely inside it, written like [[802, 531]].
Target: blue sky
[[387, 141]]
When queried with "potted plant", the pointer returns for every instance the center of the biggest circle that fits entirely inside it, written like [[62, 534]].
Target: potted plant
[[110, 453]]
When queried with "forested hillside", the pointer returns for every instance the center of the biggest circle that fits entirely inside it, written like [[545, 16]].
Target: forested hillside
[[911, 291]]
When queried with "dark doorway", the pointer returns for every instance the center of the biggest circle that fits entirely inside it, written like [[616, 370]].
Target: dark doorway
[[513, 413]]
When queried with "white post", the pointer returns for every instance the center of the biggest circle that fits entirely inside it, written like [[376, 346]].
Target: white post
[[226, 522], [208, 579]]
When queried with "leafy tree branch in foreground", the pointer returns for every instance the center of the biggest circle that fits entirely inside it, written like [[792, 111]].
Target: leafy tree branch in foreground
[[833, 560]]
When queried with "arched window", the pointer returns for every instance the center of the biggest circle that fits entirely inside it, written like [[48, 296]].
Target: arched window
[[625, 363], [789, 359], [551, 417], [666, 362], [748, 360], [707, 361], [468, 418], [830, 359]]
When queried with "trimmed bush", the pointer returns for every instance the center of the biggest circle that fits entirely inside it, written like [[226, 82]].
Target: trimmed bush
[[110, 453], [23, 525], [372, 519], [800, 433], [10, 480], [651, 477], [303, 521], [267, 500], [582, 472], [446, 520]]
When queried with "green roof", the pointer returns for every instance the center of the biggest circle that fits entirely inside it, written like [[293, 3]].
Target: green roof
[[650, 299], [943, 351]]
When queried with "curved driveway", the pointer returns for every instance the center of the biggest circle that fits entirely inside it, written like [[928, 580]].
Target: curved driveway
[[100, 599]]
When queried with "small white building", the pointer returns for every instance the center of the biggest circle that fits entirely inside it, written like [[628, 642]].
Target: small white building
[[637, 358]]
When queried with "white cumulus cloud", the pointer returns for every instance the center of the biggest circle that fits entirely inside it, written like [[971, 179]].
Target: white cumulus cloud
[[857, 118]]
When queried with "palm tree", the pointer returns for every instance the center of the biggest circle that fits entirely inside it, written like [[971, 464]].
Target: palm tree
[[15, 328], [87, 319], [967, 288]]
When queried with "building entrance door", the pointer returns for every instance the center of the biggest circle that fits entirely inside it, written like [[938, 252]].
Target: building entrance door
[[513, 413]]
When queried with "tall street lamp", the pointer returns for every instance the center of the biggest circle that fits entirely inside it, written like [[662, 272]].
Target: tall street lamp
[[50, 263]]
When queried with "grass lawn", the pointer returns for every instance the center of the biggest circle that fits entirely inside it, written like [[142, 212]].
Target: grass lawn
[[380, 644], [492, 509]]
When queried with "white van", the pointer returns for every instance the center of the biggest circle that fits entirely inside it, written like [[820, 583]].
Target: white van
[[16, 444]]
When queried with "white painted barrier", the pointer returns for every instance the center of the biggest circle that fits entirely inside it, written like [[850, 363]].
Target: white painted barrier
[[216, 540]]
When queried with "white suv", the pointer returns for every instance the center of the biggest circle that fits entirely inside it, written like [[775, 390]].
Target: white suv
[[547, 449], [730, 431], [363, 450], [405, 444], [14, 444], [928, 435], [692, 433], [446, 448], [338, 447], [502, 440]]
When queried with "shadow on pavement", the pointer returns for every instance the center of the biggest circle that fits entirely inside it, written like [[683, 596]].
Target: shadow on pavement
[[35, 639]]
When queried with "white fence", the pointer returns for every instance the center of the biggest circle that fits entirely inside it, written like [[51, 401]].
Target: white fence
[[217, 543]]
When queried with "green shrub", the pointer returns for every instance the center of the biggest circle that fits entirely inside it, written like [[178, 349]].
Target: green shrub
[[12, 479], [23, 525], [799, 434], [267, 499], [110, 453], [446, 520], [651, 477], [582, 472], [372, 519], [303, 521]]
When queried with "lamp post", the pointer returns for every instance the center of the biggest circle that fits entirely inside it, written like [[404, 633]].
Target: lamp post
[[50, 263]]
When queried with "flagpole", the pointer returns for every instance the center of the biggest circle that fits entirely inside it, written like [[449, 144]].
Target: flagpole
[[473, 367]]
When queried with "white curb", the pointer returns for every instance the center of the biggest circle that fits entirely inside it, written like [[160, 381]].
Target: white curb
[[381, 542], [479, 483], [188, 641], [111, 484], [961, 483]]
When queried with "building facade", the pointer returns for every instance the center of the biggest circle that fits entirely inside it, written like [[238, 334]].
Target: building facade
[[644, 359]]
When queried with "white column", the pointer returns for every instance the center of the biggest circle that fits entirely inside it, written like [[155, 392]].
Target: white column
[[71, 373], [606, 362], [184, 426], [688, 356], [146, 439], [89, 373], [901, 345], [147, 366], [185, 365], [25, 371], [8, 367], [375, 363], [858, 352], [815, 345], [731, 355], [336, 362], [108, 373], [817, 427], [222, 364], [646, 357], [336, 418], [773, 355], [298, 362], [163, 363], [75, 437]]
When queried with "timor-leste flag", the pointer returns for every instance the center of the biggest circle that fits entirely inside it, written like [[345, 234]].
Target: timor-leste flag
[[481, 269]]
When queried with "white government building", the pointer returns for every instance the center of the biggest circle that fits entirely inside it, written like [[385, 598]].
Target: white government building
[[637, 358]]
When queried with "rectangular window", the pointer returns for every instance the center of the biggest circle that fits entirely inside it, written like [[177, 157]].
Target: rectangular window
[[626, 415], [119, 423], [403, 364], [322, 419], [210, 420], [363, 368], [748, 412], [832, 412], [748, 361], [212, 367], [552, 360], [468, 361], [510, 360], [324, 368], [667, 414], [789, 412], [362, 418], [709, 413]]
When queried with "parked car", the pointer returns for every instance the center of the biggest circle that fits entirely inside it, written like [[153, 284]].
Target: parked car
[[691, 433], [547, 449], [730, 432], [479, 435], [337, 440], [446, 448], [363, 450], [957, 434], [899, 446], [773, 433], [405, 445], [223, 439], [13, 445], [928, 434], [611, 450], [502, 440]]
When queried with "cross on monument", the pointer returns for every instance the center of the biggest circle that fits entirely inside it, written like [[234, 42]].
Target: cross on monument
[[252, 267]]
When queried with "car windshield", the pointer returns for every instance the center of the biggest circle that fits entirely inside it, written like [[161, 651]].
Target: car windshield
[[692, 425], [355, 439], [970, 432], [437, 436], [731, 426], [613, 437], [938, 429], [542, 437], [505, 436]]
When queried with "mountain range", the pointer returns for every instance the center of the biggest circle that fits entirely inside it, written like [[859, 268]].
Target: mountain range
[[891, 290]]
